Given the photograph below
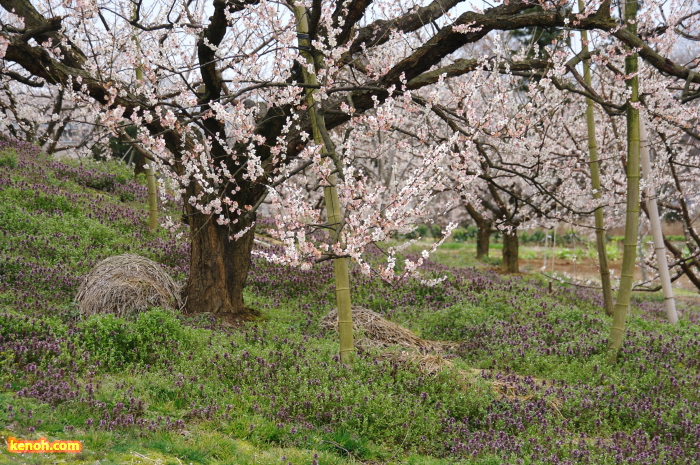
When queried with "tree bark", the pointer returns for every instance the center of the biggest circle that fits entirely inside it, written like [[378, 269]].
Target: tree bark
[[686, 265], [483, 239], [219, 267], [510, 251]]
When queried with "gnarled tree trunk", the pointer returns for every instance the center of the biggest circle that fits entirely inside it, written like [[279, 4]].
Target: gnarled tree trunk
[[218, 267]]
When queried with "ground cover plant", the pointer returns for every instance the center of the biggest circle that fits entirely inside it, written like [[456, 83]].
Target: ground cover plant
[[525, 380]]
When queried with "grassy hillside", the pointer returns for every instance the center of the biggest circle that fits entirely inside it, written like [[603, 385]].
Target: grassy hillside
[[525, 382]]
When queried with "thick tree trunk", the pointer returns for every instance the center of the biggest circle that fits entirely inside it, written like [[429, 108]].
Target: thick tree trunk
[[510, 251], [483, 239], [484, 229], [218, 267]]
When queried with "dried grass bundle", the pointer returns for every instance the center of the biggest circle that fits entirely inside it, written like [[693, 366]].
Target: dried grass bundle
[[126, 285], [378, 331], [430, 364], [381, 333]]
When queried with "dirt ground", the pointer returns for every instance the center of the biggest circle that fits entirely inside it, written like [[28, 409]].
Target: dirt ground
[[585, 269]]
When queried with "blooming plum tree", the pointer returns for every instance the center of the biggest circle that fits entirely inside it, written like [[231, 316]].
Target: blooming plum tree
[[203, 64]]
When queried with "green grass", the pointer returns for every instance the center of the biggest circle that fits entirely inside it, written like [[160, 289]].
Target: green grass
[[463, 253]]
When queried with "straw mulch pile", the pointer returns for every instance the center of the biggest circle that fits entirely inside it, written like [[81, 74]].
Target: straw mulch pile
[[379, 332], [431, 364], [126, 285], [428, 356]]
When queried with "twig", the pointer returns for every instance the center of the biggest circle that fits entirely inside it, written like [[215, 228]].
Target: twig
[[339, 447], [552, 277]]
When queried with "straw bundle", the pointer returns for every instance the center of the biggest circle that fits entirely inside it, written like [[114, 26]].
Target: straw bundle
[[430, 364], [377, 331], [381, 333], [126, 285]]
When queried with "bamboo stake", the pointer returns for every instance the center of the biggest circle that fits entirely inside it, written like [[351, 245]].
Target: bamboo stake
[[150, 172], [152, 197], [600, 230], [653, 212], [624, 294], [335, 217], [640, 245]]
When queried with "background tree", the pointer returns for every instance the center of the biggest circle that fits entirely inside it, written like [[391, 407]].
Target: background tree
[[45, 116]]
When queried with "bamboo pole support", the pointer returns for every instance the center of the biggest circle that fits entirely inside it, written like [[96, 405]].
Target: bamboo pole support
[[653, 211], [151, 171], [335, 217], [624, 294], [600, 230]]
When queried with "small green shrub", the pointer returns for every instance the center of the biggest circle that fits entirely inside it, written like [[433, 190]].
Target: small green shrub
[[459, 235], [121, 178], [566, 254], [611, 250], [463, 235], [450, 323], [152, 338], [158, 326], [345, 442], [100, 234], [127, 197], [8, 158], [535, 238], [424, 230], [420, 231], [101, 182], [110, 340], [51, 203]]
